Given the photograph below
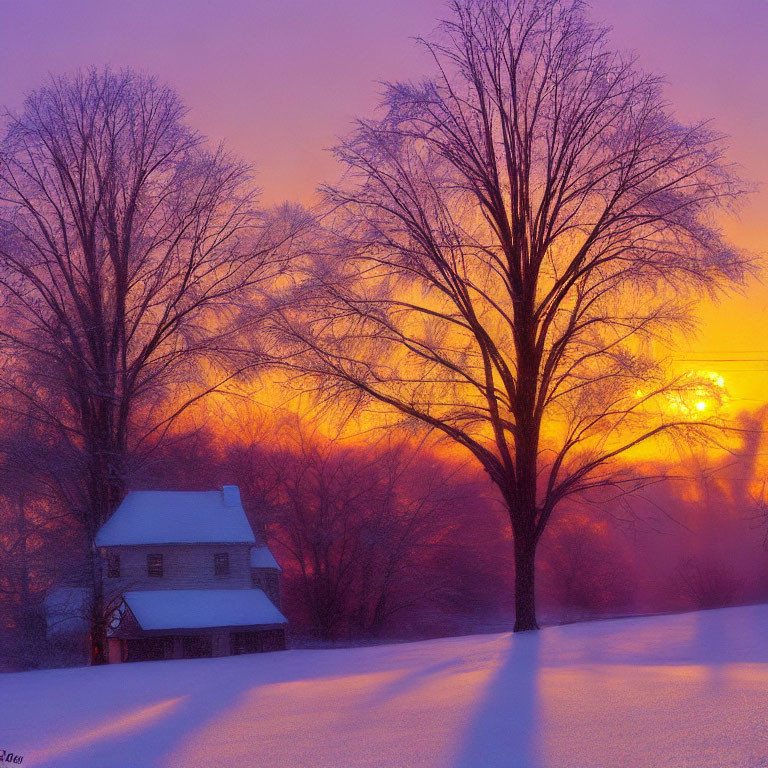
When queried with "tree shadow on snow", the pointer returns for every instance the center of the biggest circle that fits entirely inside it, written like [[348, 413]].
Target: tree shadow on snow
[[413, 681], [180, 713], [504, 733]]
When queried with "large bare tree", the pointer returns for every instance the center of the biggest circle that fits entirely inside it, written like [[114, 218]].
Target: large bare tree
[[127, 249], [361, 526], [519, 237]]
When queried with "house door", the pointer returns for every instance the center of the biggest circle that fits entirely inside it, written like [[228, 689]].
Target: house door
[[197, 646], [244, 642], [149, 649], [256, 642]]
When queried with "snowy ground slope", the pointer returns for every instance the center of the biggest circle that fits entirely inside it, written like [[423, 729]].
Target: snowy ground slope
[[687, 691]]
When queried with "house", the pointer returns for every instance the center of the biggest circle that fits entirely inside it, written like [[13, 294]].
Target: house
[[185, 577]]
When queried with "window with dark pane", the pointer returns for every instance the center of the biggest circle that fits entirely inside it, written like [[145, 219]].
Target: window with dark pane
[[221, 563], [155, 565]]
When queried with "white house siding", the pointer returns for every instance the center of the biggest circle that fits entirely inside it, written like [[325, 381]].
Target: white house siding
[[185, 566]]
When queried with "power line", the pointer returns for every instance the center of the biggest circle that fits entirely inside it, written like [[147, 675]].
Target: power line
[[721, 359]]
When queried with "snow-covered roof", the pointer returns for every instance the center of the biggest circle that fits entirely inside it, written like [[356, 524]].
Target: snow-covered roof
[[200, 608], [66, 610], [261, 557], [178, 517]]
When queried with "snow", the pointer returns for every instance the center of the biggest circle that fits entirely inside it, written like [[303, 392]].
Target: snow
[[261, 557], [178, 517], [198, 608], [685, 691], [231, 495]]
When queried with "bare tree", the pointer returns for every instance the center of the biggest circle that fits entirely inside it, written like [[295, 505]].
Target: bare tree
[[36, 544], [22, 571], [519, 237], [360, 524], [586, 567], [706, 583], [408, 519], [127, 248]]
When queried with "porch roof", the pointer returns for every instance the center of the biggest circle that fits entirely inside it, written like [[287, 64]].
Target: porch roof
[[202, 608]]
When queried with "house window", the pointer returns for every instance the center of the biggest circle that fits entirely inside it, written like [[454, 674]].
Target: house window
[[113, 565], [221, 564], [154, 565]]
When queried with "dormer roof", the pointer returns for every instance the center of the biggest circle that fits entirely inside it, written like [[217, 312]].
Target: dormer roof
[[178, 517], [261, 557]]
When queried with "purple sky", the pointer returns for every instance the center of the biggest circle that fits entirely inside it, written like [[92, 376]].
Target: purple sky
[[280, 79]]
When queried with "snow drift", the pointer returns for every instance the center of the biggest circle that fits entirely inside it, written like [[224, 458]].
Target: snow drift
[[684, 690]]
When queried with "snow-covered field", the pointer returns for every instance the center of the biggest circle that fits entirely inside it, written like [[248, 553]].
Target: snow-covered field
[[688, 691]]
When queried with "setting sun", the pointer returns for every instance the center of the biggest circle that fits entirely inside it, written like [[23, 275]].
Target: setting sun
[[699, 393]]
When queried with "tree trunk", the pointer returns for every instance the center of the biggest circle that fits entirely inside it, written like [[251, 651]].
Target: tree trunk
[[97, 618], [105, 491], [525, 592]]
